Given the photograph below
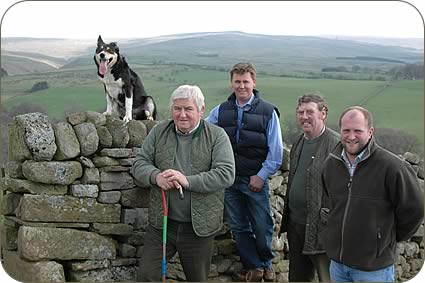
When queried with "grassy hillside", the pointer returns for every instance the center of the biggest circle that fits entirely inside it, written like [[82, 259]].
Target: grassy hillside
[[286, 66], [394, 104]]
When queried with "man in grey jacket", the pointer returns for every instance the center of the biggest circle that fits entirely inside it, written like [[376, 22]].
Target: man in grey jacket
[[189, 153], [303, 201]]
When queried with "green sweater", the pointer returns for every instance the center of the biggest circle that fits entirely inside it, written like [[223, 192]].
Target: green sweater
[[213, 170]]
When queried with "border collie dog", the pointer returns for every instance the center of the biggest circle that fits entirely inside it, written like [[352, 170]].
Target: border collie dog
[[125, 94]]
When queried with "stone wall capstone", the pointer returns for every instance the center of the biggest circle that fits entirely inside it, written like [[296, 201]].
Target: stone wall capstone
[[71, 211]]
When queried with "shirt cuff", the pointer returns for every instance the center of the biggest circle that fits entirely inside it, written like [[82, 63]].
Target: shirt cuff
[[153, 177], [263, 174]]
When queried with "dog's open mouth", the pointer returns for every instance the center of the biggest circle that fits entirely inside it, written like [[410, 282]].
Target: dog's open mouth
[[103, 66]]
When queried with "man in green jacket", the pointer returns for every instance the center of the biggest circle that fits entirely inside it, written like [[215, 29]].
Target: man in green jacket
[[197, 156], [303, 201]]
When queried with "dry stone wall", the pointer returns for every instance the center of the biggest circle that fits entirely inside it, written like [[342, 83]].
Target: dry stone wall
[[72, 212]]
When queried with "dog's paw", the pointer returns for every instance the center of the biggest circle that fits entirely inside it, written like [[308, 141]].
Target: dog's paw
[[107, 113], [126, 119], [148, 115]]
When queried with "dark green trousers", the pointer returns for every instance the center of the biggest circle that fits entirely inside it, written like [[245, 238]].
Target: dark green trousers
[[194, 252], [303, 268]]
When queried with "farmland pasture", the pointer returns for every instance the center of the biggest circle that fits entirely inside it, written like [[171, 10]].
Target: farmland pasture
[[395, 104]]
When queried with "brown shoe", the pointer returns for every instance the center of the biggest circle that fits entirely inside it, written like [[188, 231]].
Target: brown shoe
[[252, 275], [269, 275]]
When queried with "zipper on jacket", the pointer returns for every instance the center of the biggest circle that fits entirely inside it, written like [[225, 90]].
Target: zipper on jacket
[[379, 242], [350, 182]]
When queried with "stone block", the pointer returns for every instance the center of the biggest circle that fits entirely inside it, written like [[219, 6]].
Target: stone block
[[113, 274], [13, 169], [116, 152], [105, 137], [112, 228], [17, 148], [38, 243], [25, 271], [109, 197], [45, 208], [66, 141], [115, 181], [90, 176], [53, 172], [87, 137], [77, 118], [98, 119], [81, 190], [26, 186], [137, 131], [9, 203], [118, 130], [39, 135]]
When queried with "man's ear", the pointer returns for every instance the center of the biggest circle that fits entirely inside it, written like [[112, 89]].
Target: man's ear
[[371, 131], [324, 114]]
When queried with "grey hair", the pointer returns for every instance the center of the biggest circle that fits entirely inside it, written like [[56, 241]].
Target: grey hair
[[188, 92]]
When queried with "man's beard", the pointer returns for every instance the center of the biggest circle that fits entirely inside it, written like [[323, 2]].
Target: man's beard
[[361, 148]]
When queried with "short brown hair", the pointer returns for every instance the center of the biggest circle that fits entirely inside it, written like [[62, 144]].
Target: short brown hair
[[242, 68], [366, 114], [313, 97]]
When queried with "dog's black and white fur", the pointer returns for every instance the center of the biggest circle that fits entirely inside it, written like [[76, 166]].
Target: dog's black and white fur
[[125, 94]]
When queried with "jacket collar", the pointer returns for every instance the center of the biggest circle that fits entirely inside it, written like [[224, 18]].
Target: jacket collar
[[369, 149], [196, 133]]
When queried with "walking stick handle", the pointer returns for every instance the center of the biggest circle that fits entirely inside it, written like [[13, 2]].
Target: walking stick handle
[[181, 194]]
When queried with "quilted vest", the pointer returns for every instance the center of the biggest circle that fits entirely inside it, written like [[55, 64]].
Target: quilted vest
[[251, 149], [206, 209]]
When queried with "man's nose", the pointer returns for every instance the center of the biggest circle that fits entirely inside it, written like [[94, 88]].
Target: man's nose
[[351, 135]]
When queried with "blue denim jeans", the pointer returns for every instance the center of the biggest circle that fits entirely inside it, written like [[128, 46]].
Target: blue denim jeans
[[249, 218], [342, 273]]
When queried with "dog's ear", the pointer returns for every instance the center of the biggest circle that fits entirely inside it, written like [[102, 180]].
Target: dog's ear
[[115, 46], [100, 41]]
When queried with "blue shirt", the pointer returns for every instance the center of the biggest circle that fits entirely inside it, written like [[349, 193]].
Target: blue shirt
[[274, 138], [352, 167]]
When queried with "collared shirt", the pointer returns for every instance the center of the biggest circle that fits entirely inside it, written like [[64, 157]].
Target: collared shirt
[[274, 138], [190, 132], [352, 167]]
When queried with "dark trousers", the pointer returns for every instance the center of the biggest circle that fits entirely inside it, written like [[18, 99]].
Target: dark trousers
[[302, 268], [194, 252]]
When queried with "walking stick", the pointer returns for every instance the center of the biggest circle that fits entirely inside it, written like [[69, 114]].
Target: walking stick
[[164, 238], [164, 231]]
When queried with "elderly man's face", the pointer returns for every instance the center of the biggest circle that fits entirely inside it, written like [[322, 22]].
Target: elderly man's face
[[311, 119], [185, 114]]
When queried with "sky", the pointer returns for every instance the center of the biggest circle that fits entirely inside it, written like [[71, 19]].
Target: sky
[[140, 19], [113, 19]]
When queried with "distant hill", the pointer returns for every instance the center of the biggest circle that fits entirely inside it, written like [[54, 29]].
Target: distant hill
[[416, 43], [24, 62], [277, 55]]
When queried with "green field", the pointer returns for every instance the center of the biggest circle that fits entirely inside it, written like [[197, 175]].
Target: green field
[[398, 104]]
